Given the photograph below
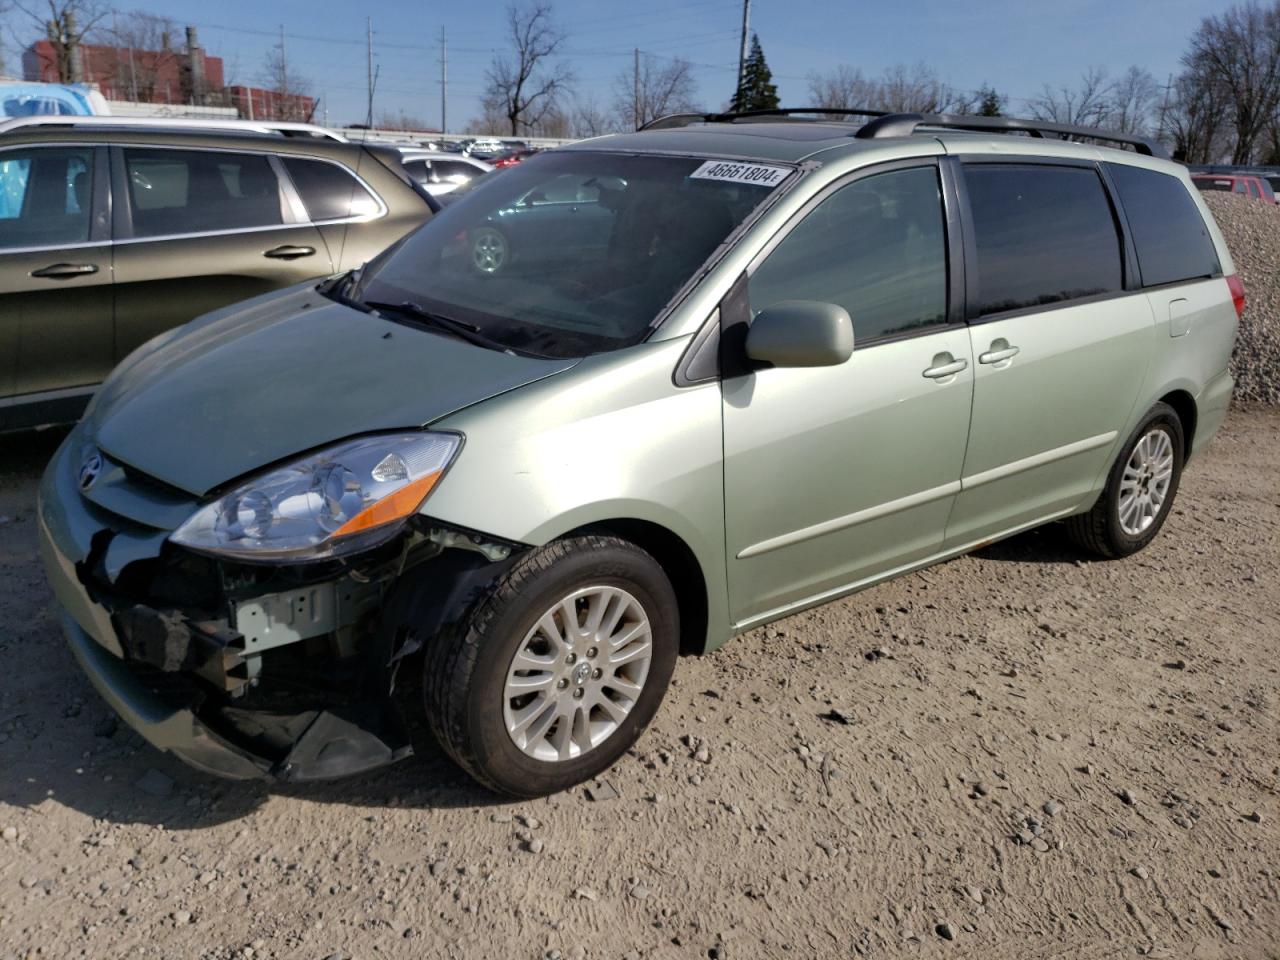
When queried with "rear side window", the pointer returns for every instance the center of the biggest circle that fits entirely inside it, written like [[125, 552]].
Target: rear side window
[[45, 196], [1044, 234], [1171, 237], [199, 191], [876, 247], [329, 192]]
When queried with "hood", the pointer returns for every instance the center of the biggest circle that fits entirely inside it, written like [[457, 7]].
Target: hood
[[242, 388]]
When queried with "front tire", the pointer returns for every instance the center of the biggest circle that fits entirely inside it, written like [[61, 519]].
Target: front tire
[[1140, 489], [558, 668]]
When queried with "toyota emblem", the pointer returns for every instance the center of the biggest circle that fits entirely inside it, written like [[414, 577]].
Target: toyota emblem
[[90, 470]]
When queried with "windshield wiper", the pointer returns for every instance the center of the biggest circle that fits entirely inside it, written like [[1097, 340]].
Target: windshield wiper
[[424, 317]]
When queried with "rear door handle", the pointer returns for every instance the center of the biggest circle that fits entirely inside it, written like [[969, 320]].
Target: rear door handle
[[289, 252], [943, 370], [65, 271], [995, 356], [999, 352]]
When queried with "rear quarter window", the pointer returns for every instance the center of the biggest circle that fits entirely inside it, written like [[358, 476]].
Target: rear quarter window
[[1171, 237], [329, 191], [1044, 234]]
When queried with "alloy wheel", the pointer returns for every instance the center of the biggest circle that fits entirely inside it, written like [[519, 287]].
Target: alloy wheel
[[1144, 485], [578, 673]]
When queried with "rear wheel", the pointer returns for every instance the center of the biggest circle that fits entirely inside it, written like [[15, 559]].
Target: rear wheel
[[558, 669], [1140, 489]]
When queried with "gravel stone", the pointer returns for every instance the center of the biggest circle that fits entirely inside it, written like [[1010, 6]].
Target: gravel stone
[[1252, 232]]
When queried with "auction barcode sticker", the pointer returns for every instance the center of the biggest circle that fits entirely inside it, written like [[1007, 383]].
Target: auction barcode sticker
[[758, 174]]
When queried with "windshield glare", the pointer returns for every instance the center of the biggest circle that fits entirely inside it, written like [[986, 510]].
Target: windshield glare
[[571, 253]]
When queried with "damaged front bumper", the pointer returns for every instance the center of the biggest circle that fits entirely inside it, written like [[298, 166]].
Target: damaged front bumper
[[290, 684]]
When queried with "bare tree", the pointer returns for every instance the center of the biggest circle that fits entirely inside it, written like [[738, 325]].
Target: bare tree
[[914, 89], [1240, 51], [845, 88], [66, 24], [137, 33], [1133, 100], [655, 90], [588, 119], [292, 89], [1197, 118], [1084, 106], [900, 89], [524, 84], [400, 120]]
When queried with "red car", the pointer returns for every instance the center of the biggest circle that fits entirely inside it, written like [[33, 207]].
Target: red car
[[511, 158], [1246, 185]]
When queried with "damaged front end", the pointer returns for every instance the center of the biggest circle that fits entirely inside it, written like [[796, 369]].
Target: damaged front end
[[281, 670]]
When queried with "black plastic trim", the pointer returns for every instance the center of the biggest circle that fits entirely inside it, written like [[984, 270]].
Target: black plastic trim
[[700, 362]]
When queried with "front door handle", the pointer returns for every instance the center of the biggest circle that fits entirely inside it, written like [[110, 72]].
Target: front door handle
[[999, 352], [289, 252], [945, 367], [65, 271]]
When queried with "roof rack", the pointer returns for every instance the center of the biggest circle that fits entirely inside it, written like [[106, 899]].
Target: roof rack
[[886, 124], [675, 120], [905, 124], [279, 128]]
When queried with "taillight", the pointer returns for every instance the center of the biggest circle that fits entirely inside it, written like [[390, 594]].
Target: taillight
[[1236, 286]]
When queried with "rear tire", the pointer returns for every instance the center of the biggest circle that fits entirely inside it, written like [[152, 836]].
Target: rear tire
[[557, 670], [1140, 489]]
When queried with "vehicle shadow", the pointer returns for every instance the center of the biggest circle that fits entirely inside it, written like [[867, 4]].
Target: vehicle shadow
[[1046, 544]]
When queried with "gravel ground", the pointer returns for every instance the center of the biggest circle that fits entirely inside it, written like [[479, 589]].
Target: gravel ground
[[1015, 754], [1252, 231]]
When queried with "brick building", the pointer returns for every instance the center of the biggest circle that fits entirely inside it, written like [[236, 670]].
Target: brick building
[[171, 75]]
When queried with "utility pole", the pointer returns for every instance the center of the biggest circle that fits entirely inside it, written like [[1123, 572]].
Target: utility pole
[[742, 55], [1164, 108], [444, 86], [286, 108], [369, 115], [636, 111]]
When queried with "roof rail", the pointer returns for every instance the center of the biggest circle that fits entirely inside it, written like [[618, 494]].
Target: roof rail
[[674, 120], [886, 124], [905, 124], [279, 128]]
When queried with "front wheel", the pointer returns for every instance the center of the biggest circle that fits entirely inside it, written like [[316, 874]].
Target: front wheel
[[1140, 489], [559, 668]]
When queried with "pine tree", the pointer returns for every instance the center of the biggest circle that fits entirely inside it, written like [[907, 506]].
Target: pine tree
[[756, 90], [990, 103]]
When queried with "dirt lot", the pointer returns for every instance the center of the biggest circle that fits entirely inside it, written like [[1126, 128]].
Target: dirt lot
[[1031, 755]]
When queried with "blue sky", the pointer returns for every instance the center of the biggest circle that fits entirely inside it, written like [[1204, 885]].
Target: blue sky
[[1016, 46]]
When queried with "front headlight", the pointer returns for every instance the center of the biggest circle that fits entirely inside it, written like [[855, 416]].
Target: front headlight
[[341, 499]]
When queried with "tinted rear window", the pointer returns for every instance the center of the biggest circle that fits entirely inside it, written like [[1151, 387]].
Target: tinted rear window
[[328, 191], [1044, 234], [1207, 185], [1171, 237]]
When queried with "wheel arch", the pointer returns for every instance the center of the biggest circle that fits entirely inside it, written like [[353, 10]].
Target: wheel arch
[[679, 562], [1184, 405]]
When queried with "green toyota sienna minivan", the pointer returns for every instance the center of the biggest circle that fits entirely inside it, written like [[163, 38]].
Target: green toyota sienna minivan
[[619, 403]]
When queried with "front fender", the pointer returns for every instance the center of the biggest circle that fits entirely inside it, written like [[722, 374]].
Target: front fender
[[611, 439]]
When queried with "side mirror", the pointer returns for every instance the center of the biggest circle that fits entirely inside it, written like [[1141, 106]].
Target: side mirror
[[801, 333]]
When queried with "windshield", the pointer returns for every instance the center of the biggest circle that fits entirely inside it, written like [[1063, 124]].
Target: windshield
[[571, 253]]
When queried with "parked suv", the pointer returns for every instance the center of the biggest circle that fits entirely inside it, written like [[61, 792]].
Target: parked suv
[[728, 368], [111, 234]]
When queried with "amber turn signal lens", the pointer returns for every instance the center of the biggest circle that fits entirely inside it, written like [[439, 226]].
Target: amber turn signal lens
[[393, 507]]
